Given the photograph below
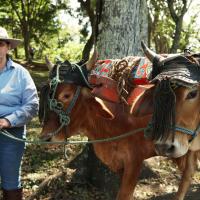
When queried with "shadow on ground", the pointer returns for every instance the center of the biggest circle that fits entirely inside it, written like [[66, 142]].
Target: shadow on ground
[[193, 194]]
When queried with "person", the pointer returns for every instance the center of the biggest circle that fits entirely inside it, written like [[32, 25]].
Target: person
[[31, 52], [18, 105]]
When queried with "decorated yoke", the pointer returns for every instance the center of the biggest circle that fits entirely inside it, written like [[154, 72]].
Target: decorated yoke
[[120, 80]]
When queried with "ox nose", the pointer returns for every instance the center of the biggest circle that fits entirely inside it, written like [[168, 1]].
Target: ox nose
[[165, 149]]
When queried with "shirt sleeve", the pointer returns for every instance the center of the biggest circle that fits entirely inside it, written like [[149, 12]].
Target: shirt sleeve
[[29, 104]]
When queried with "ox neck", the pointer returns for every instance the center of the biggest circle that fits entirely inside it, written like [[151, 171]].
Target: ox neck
[[98, 127]]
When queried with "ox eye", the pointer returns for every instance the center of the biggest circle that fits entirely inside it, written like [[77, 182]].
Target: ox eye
[[192, 94], [66, 96]]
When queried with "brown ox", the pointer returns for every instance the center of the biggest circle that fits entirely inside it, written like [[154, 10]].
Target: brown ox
[[92, 116], [176, 116]]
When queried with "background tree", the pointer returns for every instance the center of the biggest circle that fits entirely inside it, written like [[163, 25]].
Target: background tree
[[34, 19], [160, 26], [167, 30], [88, 8], [177, 11], [37, 21]]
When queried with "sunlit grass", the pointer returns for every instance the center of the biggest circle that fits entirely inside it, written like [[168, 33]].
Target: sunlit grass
[[39, 77]]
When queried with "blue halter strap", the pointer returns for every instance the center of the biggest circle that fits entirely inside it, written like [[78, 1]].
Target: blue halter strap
[[188, 131]]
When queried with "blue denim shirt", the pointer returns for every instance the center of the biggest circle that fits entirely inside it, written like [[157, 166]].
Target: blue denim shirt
[[18, 94]]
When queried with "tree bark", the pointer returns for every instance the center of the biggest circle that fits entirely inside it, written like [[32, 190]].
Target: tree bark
[[26, 37], [123, 25]]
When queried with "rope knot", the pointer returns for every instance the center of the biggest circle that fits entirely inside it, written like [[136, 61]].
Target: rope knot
[[64, 119]]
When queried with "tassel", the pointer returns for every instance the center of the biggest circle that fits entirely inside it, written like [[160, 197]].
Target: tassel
[[163, 120]]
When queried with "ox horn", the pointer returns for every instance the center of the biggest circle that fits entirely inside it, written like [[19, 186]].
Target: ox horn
[[149, 53], [91, 63], [49, 63]]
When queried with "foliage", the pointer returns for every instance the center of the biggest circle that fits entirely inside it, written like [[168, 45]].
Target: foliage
[[163, 26], [34, 20], [65, 46], [44, 31], [39, 76], [88, 8], [83, 12], [191, 33]]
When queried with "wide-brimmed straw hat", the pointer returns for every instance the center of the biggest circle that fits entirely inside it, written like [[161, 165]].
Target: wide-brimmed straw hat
[[12, 41]]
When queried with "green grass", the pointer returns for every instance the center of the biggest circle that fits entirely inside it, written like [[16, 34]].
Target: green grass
[[39, 77]]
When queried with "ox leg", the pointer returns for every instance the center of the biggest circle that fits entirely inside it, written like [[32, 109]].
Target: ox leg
[[129, 179], [187, 174]]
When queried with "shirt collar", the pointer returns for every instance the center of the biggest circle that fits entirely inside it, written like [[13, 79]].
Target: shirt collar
[[10, 64]]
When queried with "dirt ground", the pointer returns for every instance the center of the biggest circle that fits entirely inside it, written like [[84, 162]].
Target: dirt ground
[[46, 175], [159, 184]]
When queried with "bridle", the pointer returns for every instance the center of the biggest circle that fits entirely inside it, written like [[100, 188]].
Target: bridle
[[57, 106]]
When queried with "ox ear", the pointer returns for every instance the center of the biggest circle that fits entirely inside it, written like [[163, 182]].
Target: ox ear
[[91, 63], [143, 104], [102, 110], [49, 63]]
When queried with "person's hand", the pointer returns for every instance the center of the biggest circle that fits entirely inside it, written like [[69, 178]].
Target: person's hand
[[4, 123]]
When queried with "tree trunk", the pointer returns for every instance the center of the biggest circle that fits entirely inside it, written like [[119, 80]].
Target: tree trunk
[[123, 25], [87, 6], [26, 36], [178, 20], [87, 48], [177, 36]]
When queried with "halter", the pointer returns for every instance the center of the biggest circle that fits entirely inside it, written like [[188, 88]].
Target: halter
[[193, 133], [57, 106], [187, 131]]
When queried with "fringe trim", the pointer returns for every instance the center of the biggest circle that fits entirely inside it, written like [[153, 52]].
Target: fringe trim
[[163, 121]]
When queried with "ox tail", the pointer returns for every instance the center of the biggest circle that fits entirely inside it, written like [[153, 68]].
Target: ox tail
[[163, 120]]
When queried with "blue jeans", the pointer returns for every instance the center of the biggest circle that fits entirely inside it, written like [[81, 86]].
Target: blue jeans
[[11, 153]]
